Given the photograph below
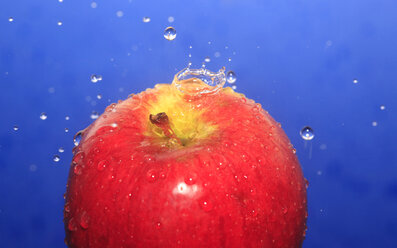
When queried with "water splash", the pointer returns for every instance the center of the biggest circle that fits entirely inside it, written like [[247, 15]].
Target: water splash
[[197, 82]]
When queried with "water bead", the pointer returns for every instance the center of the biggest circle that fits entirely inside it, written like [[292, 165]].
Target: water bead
[[170, 33], [355, 80], [231, 77], [77, 138], [56, 158], [61, 149], [146, 19], [96, 78], [94, 115], [207, 59], [11, 19], [16, 128], [43, 116], [307, 133]]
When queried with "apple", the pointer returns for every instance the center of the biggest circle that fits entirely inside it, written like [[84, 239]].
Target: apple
[[187, 164]]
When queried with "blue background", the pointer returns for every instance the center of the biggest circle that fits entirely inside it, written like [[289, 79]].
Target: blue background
[[298, 58]]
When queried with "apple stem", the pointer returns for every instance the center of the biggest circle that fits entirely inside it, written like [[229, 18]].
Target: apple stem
[[162, 121]]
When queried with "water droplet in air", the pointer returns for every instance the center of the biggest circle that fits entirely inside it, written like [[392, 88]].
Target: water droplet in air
[[67, 117], [43, 116], [234, 87], [11, 19], [77, 138], [61, 149], [94, 115], [59, 23], [307, 133], [16, 128], [374, 123], [66, 130], [355, 80], [207, 59], [231, 77], [146, 19], [382, 107], [96, 78], [171, 19], [94, 5], [119, 13], [170, 33], [56, 158], [99, 96]]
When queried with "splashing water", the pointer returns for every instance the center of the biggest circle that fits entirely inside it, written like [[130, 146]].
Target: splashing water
[[202, 80]]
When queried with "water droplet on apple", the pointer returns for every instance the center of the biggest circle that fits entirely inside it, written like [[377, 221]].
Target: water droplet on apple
[[72, 225], [78, 157], [206, 205], [77, 138], [77, 169], [67, 207], [43, 116], [231, 77], [307, 133], [151, 175], [56, 158], [170, 33], [95, 78], [102, 165], [158, 225], [190, 180], [84, 220]]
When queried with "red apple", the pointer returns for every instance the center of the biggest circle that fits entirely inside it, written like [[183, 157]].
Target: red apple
[[185, 165]]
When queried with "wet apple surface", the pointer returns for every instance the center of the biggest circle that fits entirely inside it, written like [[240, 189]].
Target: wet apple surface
[[187, 164]]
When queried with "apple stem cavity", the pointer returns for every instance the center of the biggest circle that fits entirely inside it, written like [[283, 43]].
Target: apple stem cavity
[[162, 121]]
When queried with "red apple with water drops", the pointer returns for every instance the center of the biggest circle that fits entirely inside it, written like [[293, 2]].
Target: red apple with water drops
[[187, 164]]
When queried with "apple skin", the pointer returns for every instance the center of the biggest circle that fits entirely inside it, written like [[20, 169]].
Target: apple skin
[[238, 185]]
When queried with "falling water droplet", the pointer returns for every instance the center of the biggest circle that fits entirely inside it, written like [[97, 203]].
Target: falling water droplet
[[307, 133], [99, 96], [382, 107], [59, 23], [66, 130], [171, 19], [231, 77], [61, 149], [11, 19], [96, 78], [94, 115], [146, 19], [207, 59], [67, 117], [355, 80], [43, 116], [94, 5], [170, 33], [119, 13], [56, 158], [374, 123], [16, 128], [77, 138]]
